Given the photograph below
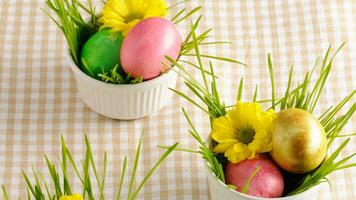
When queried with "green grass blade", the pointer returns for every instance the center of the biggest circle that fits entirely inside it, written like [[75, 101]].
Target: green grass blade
[[177, 15], [325, 118], [194, 131], [177, 3], [46, 186], [326, 57], [195, 25], [325, 113], [345, 166], [216, 58], [217, 42], [150, 172], [239, 93], [286, 94], [196, 89], [189, 45], [190, 100], [71, 160], [196, 9], [334, 155], [333, 128], [255, 94], [186, 75], [29, 184], [248, 182], [66, 185], [55, 177], [196, 67], [344, 160], [323, 81], [271, 73], [123, 172], [133, 174], [338, 50], [38, 188], [87, 182], [6, 196], [178, 149], [92, 163], [28, 194], [214, 85], [347, 135], [198, 57], [104, 176]]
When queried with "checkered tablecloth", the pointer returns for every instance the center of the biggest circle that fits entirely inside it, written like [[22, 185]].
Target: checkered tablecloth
[[39, 99]]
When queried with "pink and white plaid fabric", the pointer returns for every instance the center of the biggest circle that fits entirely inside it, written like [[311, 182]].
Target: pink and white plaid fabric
[[39, 99]]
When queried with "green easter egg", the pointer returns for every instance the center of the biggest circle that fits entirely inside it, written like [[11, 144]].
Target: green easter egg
[[101, 52]]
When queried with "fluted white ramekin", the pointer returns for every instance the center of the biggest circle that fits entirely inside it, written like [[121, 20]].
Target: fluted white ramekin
[[130, 101], [220, 191]]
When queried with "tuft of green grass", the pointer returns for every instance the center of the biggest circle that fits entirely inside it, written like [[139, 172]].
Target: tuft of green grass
[[71, 22], [77, 31], [193, 41], [114, 76], [61, 182]]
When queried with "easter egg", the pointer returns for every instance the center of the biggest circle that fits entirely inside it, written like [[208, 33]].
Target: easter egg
[[145, 46], [101, 52], [268, 181], [298, 141]]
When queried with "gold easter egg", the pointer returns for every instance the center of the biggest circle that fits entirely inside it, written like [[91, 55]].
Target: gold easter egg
[[298, 141]]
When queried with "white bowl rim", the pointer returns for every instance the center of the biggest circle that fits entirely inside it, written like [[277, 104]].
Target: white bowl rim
[[147, 83]]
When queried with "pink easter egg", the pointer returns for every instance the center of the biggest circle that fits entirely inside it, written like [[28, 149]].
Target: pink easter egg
[[267, 183], [145, 46]]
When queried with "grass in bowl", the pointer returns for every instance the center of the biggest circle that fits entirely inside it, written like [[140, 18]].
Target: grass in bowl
[[69, 16], [304, 95]]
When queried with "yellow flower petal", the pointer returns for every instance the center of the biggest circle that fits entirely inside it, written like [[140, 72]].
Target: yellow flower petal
[[123, 15], [222, 147], [237, 153], [241, 148], [232, 155], [222, 124], [223, 130], [259, 146], [71, 197], [261, 133]]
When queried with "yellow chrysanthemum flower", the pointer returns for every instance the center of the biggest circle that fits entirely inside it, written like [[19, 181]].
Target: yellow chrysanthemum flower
[[72, 197], [122, 15], [243, 132]]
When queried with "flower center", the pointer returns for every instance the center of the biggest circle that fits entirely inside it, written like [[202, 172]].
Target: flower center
[[246, 134], [133, 16]]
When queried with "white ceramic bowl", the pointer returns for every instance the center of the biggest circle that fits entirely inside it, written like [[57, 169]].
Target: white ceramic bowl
[[220, 191], [125, 102]]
